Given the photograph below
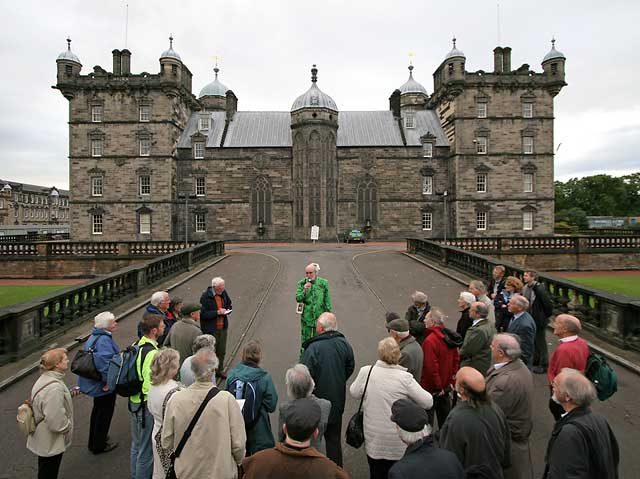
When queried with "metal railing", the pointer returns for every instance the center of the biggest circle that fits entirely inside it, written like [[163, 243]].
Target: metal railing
[[613, 317], [26, 327]]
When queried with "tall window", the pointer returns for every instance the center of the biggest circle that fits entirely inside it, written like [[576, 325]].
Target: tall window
[[198, 150], [145, 113], [145, 185], [427, 185], [409, 120], [261, 201], [527, 145], [481, 145], [427, 220], [315, 169], [481, 183], [96, 223], [481, 220], [201, 225], [203, 123], [528, 182], [96, 114], [96, 148], [367, 201], [527, 220], [200, 186], [427, 150], [145, 147], [527, 110], [145, 223], [481, 109], [96, 186]]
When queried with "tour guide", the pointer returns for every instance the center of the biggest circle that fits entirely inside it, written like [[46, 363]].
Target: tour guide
[[312, 294]]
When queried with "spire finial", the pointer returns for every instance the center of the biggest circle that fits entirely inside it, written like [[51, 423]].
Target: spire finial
[[454, 41], [314, 74], [69, 43], [553, 42], [171, 40]]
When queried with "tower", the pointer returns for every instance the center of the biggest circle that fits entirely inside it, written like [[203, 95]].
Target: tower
[[314, 125]]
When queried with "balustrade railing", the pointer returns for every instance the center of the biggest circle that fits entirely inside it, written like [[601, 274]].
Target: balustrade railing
[[613, 317], [33, 237], [26, 327], [93, 248]]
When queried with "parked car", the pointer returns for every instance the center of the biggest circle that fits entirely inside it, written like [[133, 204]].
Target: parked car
[[354, 235]]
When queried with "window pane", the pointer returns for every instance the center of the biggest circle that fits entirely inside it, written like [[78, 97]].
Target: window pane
[[97, 224], [527, 142], [198, 150], [527, 220], [96, 114], [427, 185], [200, 186], [145, 185], [481, 145], [528, 182], [145, 111], [481, 109], [481, 220], [204, 123], [200, 223], [145, 147], [96, 147], [481, 183], [427, 150], [96, 189], [409, 120], [527, 110], [145, 223], [427, 220]]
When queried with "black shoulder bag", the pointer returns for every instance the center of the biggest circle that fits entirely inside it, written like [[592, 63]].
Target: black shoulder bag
[[355, 429], [83, 363], [171, 473]]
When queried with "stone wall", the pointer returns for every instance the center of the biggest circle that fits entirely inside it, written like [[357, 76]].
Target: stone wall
[[49, 268], [575, 262]]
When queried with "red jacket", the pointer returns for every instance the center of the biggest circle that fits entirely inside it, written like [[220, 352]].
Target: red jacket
[[440, 363], [570, 354]]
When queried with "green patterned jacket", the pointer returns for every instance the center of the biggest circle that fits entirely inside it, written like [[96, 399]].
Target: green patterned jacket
[[316, 300]]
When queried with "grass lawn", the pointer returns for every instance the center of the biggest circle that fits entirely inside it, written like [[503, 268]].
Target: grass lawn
[[629, 285], [17, 294]]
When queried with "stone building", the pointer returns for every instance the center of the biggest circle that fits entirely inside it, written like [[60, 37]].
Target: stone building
[[32, 205], [151, 161]]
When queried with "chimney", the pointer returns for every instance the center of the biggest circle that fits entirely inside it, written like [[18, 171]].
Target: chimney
[[394, 103], [116, 62], [498, 63], [506, 59], [125, 55], [232, 104]]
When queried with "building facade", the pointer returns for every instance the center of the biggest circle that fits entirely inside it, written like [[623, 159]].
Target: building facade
[[151, 161], [22, 204]]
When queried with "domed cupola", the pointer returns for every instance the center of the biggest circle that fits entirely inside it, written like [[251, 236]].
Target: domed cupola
[[314, 97], [213, 95], [454, 53], [412, 86], [170, 53], [553, 53], [553, 65], [68, 64]]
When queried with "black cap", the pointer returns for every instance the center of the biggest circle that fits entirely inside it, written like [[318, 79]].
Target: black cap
[[189, 308], [390, 316], [408, 415], [399, 325], [302, 417]]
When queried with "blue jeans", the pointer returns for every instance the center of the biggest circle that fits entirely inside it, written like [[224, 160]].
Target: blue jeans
[[141, 445]]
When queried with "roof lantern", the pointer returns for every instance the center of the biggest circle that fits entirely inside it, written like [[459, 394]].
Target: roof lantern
[[314, 97], [68, 54], [170, 53]]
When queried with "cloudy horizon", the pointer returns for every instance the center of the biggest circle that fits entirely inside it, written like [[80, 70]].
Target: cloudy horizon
[[266, 49]]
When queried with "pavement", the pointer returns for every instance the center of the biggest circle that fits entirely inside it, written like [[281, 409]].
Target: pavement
[[365, 282]]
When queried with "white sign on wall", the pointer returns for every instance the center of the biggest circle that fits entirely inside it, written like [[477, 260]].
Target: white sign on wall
[[315, 232]]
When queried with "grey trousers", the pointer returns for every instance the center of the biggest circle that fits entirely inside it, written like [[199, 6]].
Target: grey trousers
[[521, 467]]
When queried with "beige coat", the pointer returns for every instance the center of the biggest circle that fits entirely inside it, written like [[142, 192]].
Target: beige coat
[[53, 413], [217, 444]]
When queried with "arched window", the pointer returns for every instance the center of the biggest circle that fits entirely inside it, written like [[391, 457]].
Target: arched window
[[314, 179], [261, 201], [367, 200], [331, 181]]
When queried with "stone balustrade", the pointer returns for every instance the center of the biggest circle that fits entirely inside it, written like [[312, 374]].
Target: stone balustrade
[[613, 317], [26, 327], [92, 248]]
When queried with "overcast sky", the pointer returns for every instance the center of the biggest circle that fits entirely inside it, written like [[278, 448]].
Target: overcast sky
[[361, 48]]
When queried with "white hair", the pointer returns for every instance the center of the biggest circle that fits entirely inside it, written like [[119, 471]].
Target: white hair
[[316, 267], [467, 297], [509, 344], [328, 322], [158, 297], [203, 341], [411, 437], [204, 364], [436, 315], [521, 301], [103, 320], [299, 382], [217, 281], [419, 297]]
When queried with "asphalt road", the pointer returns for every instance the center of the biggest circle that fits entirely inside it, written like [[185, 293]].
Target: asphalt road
[[365, 281]]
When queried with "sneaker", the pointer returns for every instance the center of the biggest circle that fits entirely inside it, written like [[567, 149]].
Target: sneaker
[[110, 446]]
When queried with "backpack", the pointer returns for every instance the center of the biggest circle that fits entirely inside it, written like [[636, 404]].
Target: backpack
[[122, 376], [25, 418], [251, 392], [601, 375]]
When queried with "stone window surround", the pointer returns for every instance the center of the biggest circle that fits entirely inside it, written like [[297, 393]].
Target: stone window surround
[[427, 220], [200, 221], [481, 141], [146, 212], [144, 109], [144, 185], [528, 217], [96, 215], [427, 184], [97, 112], [96, 143], [528, 181], [97, 185], [198, 150], [200, 185]]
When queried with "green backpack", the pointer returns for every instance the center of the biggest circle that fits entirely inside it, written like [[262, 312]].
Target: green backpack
[[601, 375]]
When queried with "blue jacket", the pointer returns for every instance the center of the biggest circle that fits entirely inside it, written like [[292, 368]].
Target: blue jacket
[[525, 328], [104, 348]]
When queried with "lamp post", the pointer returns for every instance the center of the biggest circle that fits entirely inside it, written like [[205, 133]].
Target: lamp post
[[186, 197], [444, 197]]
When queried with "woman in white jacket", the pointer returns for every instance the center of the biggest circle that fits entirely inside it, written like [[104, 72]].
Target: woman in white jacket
[[388, 382], [53, 413]]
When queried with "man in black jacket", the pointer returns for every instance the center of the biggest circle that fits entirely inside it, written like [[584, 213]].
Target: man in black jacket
[[496, 285], [541, 308], [329, 358], [214, 317], [421, 459], [582, 444]]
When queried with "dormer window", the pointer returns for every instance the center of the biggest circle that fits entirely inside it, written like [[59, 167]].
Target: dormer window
[[410, 120], [203, 123], [96, 114]]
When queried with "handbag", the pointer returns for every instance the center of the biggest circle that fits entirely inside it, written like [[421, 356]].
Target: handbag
[[171, 473], [83, 364], [164, 454], [355, 429]]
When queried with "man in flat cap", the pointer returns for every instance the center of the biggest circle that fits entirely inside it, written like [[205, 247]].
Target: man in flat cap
[[185, 331], [294, 458], [421, 459], [411, 356]]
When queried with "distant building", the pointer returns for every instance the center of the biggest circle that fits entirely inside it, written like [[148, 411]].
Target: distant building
[[611, 221], [24, 204], [473, 159]]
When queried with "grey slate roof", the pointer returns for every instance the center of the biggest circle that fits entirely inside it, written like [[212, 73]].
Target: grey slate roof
[[355, 128], [29, 188]]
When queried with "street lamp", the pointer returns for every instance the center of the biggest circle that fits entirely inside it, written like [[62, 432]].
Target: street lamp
[[444, 202], [186, 198]]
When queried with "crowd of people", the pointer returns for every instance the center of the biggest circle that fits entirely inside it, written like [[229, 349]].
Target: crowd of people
[[437, 403]]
